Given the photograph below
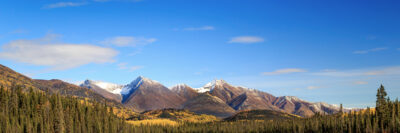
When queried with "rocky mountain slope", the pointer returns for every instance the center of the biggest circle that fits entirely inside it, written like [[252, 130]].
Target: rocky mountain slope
[[185, 91], [217, 97], [144, 94], [9, 77], [261, 115], [107, 90], [205, 103]]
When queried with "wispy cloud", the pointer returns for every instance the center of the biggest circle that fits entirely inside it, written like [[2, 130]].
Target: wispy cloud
[[246, 39], [395, 70], [124, 41], [56, 55], [64, 4], [199, 28], [76, 4], [284, 71], [312, 87], [124, 66], [360, 82], [117, 0], [369, 50], [19, 31]]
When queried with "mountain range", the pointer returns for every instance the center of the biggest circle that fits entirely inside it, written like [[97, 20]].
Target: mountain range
[[217, 98], [9, 78]]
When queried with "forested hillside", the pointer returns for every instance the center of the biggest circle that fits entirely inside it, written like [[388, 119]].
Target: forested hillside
[[28, 105], [10, 78], [34, 111], [385, 119]]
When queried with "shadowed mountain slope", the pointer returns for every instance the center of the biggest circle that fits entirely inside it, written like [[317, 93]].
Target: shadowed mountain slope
[[208, 104], [9, 77], [261, 115], [144, 94]]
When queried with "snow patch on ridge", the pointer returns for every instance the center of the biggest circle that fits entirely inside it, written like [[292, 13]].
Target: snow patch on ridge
[[136, 84], [210, 86], [110, 87], [178, 87]]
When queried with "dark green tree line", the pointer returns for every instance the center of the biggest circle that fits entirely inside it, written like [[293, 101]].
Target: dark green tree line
[[38, 112]]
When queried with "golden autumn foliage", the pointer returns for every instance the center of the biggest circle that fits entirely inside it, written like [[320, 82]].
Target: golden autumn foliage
[[167, 117], [150, 122]]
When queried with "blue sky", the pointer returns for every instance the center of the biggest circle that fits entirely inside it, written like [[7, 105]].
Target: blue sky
[[336, 51]]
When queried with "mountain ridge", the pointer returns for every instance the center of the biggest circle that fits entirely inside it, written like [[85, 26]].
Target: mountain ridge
[[219, 97], [236, 97]]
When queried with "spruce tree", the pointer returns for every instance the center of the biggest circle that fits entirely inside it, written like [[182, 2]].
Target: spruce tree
[[59, 123], [382, 107]]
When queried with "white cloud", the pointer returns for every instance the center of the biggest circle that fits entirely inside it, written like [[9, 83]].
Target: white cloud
[[199, 28], [65, 4], [124, 41], [19, 31], [313, 87], [117, 0], [395, 70], [101, 0], [284, 71], [124, 66], [246, 39], [75, 4], [360, 82], [58, 56], [198, 73], [369, 50]]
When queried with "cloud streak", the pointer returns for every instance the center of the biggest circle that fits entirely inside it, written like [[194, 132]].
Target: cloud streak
[[284, 71], [246, 39], [204, 28], [124, 66], [313, 87], [360, 82], [76, 4], [395, 70], [58, 56], [128, 41], [64, 4], [369, 50], [19, 31]]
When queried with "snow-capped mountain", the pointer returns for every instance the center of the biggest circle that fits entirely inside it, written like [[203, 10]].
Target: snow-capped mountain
[[295, 105], [184, 91], [145, 94], [210, 86], [108, 90], [131, 87], [179, 87], [110, 87]]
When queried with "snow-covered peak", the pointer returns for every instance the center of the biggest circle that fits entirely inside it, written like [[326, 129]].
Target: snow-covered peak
[[136, 83], [147, 80], [179, 87], [210, 86], [110, 87], [322, 104], [292, 98], [289, 99]]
